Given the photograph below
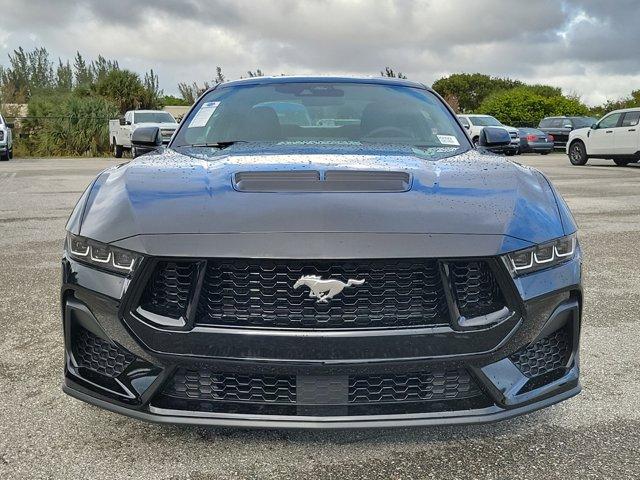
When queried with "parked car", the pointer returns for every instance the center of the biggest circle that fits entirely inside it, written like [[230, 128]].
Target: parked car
[[6, 140], [120, 130], [615, 136], [533, 140], [382, 272], [475, 123], [560, 127]]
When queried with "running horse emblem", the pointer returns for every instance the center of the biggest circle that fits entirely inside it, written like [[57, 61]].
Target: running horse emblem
[[324, 290]]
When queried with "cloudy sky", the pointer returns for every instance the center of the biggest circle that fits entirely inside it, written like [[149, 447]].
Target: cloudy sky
[[586, 47]]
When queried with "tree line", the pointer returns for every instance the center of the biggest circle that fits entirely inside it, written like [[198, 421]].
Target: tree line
[[69, 102]]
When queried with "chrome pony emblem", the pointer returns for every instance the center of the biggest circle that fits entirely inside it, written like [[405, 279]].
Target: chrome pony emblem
[[324, 290]]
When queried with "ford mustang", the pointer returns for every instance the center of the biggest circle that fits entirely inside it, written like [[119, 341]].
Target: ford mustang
[[321, 252]]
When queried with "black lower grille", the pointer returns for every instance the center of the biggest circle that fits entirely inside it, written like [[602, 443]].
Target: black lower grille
[[476, 288], [416, 387], [202, 388], [546, 355], [99, 355], [203, 384]]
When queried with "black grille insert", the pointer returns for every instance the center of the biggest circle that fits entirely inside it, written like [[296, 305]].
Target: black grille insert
[[169, 289], [441, 385], [546, 355], [99, 355], [204, 384], [476, 289], [261, 293]]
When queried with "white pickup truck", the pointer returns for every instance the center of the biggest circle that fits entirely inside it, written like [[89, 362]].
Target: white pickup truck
[[6, 140], [120, 130]]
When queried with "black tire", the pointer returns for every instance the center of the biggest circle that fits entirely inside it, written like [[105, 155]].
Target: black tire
[[11, 153], [4, 157], [578, 153], [621, 162], [510, 153], [117, 149], [134, 152], [544, 153], [476, 142]]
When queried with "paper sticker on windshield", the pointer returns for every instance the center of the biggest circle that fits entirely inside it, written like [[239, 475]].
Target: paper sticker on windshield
[[448, 140], [204, 114]]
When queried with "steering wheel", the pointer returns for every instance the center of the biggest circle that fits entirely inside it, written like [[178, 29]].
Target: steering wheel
[[376, 132]]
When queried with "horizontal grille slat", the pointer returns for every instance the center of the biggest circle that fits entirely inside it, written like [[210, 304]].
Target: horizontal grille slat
[[251, 293]]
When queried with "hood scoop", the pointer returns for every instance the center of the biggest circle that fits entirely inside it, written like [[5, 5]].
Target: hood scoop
[[344, 181]]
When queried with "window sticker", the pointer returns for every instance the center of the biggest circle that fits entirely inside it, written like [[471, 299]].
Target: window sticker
[[448, 140], [204, 114]]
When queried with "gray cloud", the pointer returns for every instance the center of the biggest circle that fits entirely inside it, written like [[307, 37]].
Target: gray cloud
[[584, 46]]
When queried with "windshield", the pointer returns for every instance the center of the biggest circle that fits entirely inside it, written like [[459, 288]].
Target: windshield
[[153, 117], [485, 121], [327, 112], [581, 122]]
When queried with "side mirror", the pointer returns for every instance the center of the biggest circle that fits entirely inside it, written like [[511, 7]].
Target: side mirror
[[146, 139], [122, 121], [594, 126], [494, 138], [468, 127]]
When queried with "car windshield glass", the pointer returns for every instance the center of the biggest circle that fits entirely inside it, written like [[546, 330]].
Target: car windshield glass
[[485, 121], [581, 122], [323, 112], [153, 117]]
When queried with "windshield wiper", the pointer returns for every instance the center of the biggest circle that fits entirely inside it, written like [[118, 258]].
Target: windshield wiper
[[219, 145]]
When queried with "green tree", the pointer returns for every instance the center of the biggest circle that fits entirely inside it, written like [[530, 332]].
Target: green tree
[[123, 88], [170, 100], [525, 106], [389, 72], [64, 77], [468, 90]]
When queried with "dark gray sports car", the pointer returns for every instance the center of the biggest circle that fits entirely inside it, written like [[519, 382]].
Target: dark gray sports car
[[321, 253]]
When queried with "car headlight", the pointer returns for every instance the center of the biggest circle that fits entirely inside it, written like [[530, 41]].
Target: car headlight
[[102, 255], [545, 255]]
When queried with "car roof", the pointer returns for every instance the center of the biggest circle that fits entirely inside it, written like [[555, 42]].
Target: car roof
[[622, 110], [322, 79]]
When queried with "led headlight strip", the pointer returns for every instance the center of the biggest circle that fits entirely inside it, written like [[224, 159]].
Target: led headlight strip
[[102, 255], [541, 256]]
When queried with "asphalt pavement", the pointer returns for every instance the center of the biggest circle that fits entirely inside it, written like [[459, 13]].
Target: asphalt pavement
[[46, 434]]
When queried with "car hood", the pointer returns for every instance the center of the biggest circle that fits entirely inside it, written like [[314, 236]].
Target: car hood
[[193, 193]]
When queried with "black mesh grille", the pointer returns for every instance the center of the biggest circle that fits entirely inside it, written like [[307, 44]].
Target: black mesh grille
[[203, 384], [546, 355], [475, 288], [169, 288], [200, 384], [416, 387], [400, 293], [99, 355]]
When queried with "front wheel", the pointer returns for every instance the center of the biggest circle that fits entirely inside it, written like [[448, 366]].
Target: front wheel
[[117, 149], [620, 162], [578, 153]]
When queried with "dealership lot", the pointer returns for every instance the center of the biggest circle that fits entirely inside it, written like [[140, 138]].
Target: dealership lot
[[45, 434]]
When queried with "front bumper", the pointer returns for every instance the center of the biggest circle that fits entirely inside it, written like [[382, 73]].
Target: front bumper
[[547, 302]]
